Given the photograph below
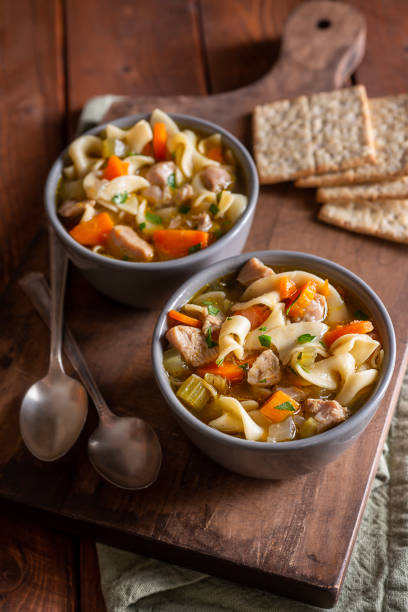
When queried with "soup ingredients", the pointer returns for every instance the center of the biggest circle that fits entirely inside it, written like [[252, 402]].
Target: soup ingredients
[[93, 232], [273, 372], [175, 190]]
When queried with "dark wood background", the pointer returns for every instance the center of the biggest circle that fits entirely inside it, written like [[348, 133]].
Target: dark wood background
[[54, 55]]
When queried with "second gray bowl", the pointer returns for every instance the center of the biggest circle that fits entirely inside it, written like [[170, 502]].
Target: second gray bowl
[[148, 285]]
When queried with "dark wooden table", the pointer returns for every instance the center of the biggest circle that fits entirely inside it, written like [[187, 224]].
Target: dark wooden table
[[55, 54]]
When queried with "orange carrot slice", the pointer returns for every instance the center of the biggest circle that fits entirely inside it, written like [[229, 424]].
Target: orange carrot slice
[[159, 141], [325, 289], [93, 232], [114, 168], [230, 371], [180, 317], [173, 243], [279, 406], [306, 295], [355, 327], [215, 153], [287, 288], [256, 315]]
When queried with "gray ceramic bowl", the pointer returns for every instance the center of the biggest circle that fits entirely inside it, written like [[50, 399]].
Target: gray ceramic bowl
[[150, 284], [285, 459]]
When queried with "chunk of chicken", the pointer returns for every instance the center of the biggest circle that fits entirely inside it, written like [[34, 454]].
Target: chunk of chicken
[[326, 413], [202, 222], [191, 343], [252, 271], [156, 195], [216, 178], [71, 208], [316, 311], [209, 320], [265, 370], [183, 194], [176, 222], [294, 392], [124, 243], [159, 173]]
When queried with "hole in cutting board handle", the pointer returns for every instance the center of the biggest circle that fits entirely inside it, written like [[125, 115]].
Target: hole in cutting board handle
[[323, 24]]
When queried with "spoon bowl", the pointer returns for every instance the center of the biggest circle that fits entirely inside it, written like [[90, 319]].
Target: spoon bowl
[[125, 451], [53, 412]]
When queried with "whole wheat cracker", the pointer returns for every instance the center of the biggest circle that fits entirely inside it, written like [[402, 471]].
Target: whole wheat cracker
[[384, 218], [389, 116], [386, 190], [319, 133]]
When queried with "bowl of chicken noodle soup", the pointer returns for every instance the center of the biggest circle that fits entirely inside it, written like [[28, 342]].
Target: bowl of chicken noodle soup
[[274, 362], [143, 202]]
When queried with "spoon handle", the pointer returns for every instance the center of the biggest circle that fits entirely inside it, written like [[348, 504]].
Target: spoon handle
[[37, 290], [58, 276]]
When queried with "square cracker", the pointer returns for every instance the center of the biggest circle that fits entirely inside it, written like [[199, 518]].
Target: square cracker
[[390, 127], [386, 190], [319, 133], [384, 218]]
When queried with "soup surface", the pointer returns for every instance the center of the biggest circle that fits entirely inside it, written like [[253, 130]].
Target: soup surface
[[150, 193], [272, 355]]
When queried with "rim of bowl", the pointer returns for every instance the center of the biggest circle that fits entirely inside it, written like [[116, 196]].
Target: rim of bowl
[[244, 159], [316, 265]]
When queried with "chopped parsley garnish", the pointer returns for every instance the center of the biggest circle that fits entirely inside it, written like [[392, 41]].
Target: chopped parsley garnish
[[299, 357], [244, 366], [120, 198], [285, 406], [290, 306], [213, 310], [194, 248], [265, 340], [208, 338], [184, 209], [219, 361], [219, 196], [263, 380], [142, 226], [322, 343], [173, 155], [293, 371], [156, 219], [305, 369], [171, 180], [125, 258], [361, 316], [129, 153], [213, 209], [229, 318], [305, 338], [217, 232], [263, 328]]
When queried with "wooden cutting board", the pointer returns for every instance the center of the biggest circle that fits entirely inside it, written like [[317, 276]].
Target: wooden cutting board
[[290, 537]]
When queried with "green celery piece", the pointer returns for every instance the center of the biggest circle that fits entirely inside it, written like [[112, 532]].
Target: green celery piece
[[308, 428], [193, 393]]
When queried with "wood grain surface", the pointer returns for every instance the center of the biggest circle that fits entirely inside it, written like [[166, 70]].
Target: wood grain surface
[[196, 514]]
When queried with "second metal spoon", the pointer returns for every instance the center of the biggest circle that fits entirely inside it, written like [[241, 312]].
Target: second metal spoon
[[124, 450]]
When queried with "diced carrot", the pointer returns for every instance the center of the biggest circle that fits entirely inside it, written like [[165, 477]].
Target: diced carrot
[[306, 295], [93, 232], [180, 317], [273, 408], [256, 315], [173, 243], [230, 371], [324, 289], [215, 153], [355, 327], [159, 141], [287, 288], [148, 149], [115, 167]]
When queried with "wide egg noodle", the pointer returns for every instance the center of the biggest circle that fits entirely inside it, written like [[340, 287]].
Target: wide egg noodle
[[158, 116], [285, 338], [237, 207], [138, 136], [206, 144], [187, 158], [84, 151], [266, 299], [235, 419], [202, 197], [361, 346], [127, 183], [328, 372], [225, 203], [355, 383], [138, 161], [275, 319], [232, 336], [337, 309]]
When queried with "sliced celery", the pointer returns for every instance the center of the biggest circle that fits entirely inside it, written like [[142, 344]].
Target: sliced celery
[[72, 190], [308, 428], [113, 146], [217, 381], [174, 363], [194, 393]]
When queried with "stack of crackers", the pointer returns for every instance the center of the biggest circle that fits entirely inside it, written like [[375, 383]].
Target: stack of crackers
[[354, 149]]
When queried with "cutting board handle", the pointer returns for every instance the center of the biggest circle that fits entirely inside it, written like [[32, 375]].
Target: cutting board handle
[[323, 37]]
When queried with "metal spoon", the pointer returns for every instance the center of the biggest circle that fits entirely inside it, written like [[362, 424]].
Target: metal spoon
[[54, 409], [123, 450]]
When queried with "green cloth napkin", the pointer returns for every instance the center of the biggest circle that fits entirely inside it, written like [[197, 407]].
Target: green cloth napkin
[[376, 581], [377, 578]]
